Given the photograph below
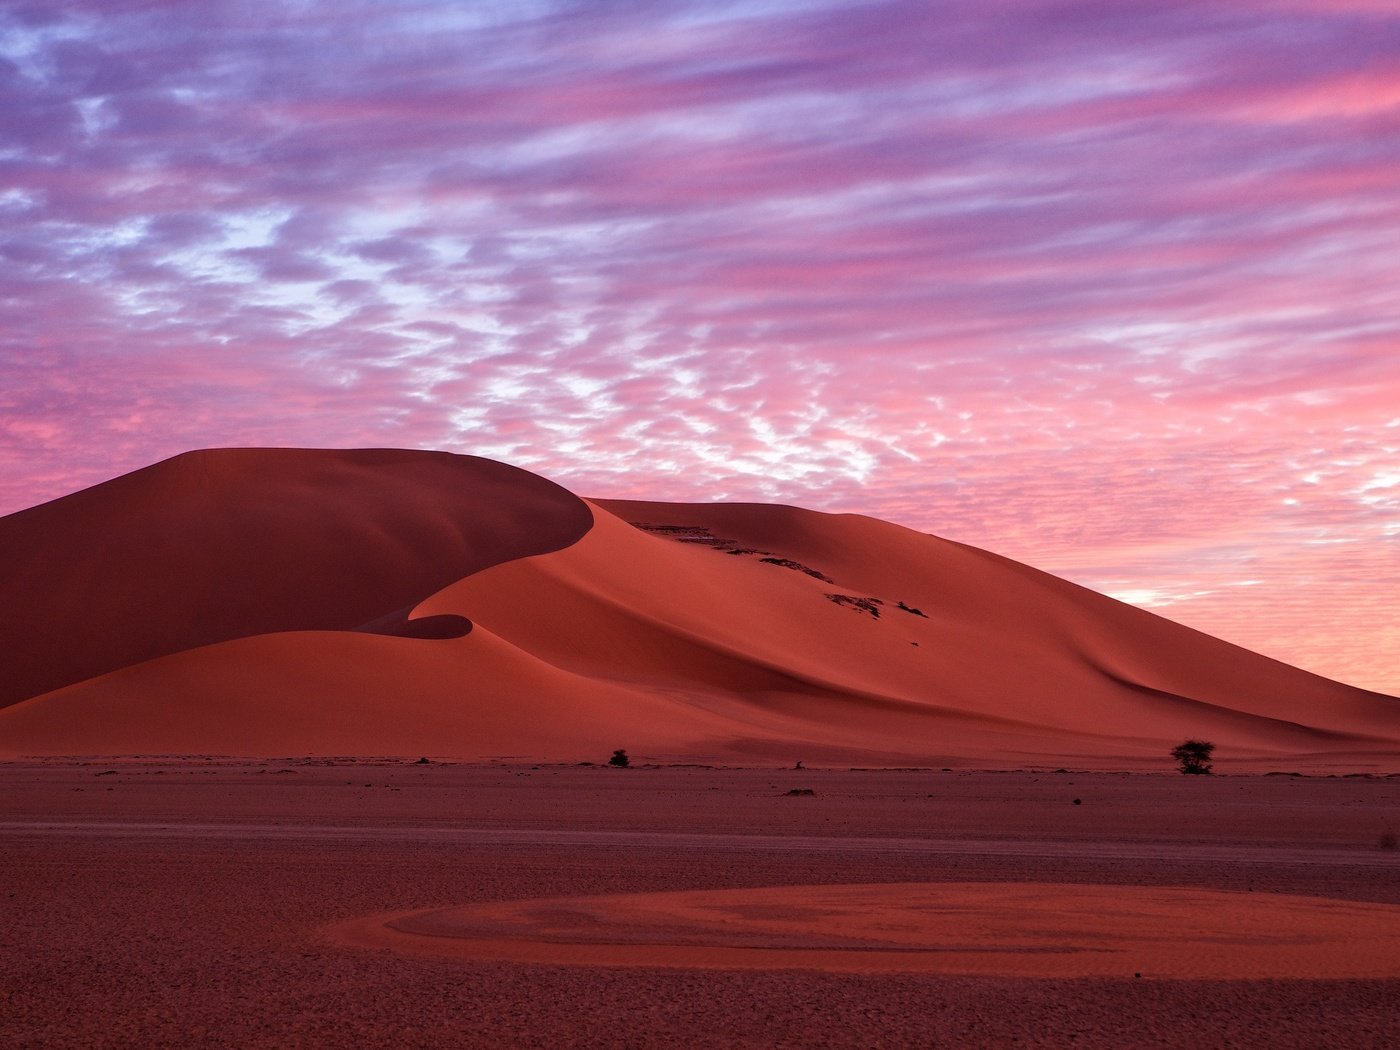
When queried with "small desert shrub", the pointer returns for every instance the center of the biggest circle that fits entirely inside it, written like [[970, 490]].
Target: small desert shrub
[[1193, 756], [619, 759]]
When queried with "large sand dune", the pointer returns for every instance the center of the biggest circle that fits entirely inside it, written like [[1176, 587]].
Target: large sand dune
[[230, 543], [210, 604]]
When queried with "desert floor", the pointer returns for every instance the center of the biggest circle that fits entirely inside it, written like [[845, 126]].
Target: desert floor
[[208, 902]]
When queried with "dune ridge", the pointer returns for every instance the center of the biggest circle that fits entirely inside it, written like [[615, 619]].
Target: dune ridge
[[513, 619], [229, 543]]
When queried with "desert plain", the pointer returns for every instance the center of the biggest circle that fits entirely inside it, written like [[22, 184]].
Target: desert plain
[[312, 748], [203, 901]]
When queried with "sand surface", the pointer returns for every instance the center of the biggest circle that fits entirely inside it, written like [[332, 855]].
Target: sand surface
[[160, 903], [271, 602], [232, 543], [1025, 929]]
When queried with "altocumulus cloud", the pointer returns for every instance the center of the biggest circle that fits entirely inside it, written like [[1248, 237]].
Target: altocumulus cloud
[[1110, 287]]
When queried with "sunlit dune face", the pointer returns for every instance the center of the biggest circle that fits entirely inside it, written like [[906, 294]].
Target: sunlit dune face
[[398, 603], [991, 929]]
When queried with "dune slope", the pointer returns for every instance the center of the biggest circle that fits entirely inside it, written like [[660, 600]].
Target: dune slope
[[229, 543], [716, 632], [1052, 651]]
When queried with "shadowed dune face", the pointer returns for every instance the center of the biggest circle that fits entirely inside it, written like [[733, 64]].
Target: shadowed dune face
[[546, 627], [230, 543]]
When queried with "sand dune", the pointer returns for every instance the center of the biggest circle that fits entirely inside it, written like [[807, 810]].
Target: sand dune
[[230, 543], [546, 627]]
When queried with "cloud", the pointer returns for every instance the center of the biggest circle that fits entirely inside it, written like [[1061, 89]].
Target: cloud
[[1089, 285]]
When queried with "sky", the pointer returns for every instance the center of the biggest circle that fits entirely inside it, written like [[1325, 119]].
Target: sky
[[1112, 288]]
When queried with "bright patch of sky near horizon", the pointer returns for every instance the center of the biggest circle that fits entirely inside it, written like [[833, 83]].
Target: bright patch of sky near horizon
[[1109, 288]]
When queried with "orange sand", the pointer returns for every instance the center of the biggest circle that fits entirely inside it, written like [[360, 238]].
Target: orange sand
[[183, 903], [176, 603], [229, 543], [1021, 929]]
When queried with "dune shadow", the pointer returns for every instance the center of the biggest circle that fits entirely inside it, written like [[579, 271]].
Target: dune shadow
[[398, 625]]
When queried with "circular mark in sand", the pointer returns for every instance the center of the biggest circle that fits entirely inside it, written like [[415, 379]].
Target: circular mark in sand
[[1000, 929]]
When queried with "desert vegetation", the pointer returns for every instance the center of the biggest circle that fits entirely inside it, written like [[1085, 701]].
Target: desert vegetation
[[1193, 756]]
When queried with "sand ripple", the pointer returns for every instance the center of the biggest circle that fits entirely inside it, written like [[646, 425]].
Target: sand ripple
[[1018, 929]]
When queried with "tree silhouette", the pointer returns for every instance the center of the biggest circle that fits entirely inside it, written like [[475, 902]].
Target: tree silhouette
[[1194, 756], [619, 758]]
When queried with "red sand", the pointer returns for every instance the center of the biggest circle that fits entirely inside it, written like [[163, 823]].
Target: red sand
[[1023, 929], [228, 543], [185, 904], [783, 634], [276, 602]]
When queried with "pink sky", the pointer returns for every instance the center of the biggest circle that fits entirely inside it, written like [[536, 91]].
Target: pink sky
[[1110, 288]]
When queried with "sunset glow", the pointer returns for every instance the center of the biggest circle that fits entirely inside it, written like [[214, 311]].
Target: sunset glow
[[1111, 289]]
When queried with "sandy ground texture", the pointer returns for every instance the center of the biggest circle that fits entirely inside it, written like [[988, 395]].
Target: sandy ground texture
[[1022, 929], [206, 903]]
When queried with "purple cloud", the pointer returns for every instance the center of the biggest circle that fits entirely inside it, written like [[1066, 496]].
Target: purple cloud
[[1107, 288]]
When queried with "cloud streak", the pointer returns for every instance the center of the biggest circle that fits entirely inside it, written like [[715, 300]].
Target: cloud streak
[[1109, 289]]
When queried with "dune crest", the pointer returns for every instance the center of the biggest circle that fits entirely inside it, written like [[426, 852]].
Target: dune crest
[[510, 618], [230, 543]]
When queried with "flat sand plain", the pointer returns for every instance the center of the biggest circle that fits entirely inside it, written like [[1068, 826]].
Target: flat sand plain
[[210, 902]]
